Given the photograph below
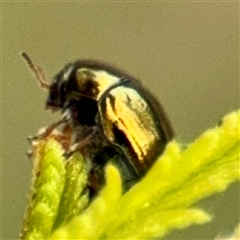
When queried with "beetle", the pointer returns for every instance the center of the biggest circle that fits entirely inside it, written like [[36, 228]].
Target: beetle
[[111, 114]]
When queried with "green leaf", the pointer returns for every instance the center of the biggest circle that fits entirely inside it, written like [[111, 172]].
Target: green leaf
[[74, 197], [48, 179], [58, 191]]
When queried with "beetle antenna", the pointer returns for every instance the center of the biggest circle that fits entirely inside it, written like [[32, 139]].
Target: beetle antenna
[[38, 72]]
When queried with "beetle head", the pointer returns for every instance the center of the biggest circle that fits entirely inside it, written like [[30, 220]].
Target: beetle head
[[57, 90], [56, 96]]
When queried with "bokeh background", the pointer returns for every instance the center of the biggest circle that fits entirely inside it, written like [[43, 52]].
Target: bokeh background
[[187, 53]]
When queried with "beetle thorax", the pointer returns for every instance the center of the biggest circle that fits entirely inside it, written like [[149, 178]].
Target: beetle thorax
[[94, 83]]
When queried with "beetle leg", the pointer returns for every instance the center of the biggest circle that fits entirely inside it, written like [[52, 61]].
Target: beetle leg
[[88, 141], [79, 146], [49, 130], [65, 136], [45, 132]]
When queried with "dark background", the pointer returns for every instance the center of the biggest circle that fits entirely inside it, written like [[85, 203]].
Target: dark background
[[187, 53]]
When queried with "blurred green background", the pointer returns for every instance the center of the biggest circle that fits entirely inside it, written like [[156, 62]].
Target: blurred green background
[[187, 53]]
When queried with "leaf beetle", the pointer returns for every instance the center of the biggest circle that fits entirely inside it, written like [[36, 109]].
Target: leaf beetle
[[110, 114]]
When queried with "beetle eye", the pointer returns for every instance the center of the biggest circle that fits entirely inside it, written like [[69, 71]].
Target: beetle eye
[[56, 95], [53, 98]]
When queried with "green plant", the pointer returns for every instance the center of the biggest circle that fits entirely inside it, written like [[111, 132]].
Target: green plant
[[164, 200]]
